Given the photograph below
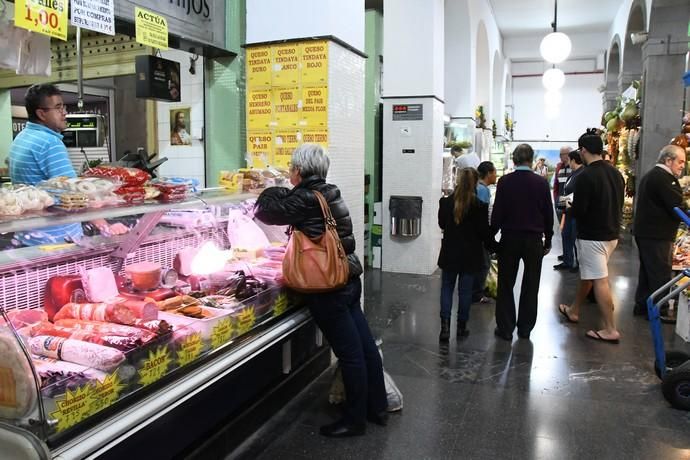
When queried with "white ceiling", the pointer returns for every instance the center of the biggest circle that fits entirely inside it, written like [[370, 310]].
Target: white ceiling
[[522, 18]]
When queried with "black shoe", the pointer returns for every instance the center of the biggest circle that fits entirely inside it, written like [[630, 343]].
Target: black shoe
[[501, 335], [380, 419], [341, 429], [444, 335], [462, 329], [561, 266], [560, 257], [523, 335]]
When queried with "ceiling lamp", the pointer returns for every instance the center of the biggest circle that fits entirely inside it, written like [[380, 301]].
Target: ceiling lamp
[[553, 79], [555, 47]]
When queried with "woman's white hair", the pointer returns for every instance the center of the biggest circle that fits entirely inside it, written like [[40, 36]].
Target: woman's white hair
[[311, 160]]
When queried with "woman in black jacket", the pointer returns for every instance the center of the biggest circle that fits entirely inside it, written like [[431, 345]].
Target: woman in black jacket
[[338, 313], [464, 220]]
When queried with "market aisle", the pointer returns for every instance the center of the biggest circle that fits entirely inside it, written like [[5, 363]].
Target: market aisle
[[558, 396]]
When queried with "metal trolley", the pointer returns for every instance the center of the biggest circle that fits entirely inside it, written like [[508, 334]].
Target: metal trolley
[[672, 367]]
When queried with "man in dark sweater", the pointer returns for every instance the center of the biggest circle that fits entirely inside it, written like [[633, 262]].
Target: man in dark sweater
[[655, 224], [598, 208], [522, 212]]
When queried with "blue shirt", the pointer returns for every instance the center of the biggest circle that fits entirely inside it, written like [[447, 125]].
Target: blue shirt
[[37, 154], [483, 193]]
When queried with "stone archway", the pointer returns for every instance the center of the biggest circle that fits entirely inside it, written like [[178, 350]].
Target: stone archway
[[612, 73], [632, 52], [482, 80]]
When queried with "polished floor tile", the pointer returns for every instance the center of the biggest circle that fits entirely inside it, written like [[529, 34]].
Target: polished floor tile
[[558, 395]]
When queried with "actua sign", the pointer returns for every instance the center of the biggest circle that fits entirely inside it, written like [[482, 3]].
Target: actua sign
[[152, 18]]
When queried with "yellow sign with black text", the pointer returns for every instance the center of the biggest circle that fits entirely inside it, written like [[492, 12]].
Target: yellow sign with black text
[[286, 141], [151, 28], [315, 136], [259, 109], [47, 17], [286, 105], [314, 107], [285, 65], [260, 148], [314, 58], [259, 67]]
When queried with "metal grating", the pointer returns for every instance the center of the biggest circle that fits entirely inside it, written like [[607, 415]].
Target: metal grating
[[26, 288]]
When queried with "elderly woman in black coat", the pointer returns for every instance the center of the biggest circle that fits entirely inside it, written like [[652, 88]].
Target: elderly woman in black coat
[[338, 313]]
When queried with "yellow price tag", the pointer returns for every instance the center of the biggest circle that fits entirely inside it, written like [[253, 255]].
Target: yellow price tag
[[48, 17], [280, 305], [105, 393], [151, 28], [246, 320], [155, 366], [72, 407], [190, 349], [221, 332]]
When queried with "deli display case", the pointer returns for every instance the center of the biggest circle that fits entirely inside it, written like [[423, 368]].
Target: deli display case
[[195, 349]]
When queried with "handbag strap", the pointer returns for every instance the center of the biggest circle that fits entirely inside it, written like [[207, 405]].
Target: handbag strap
[[325, 209]]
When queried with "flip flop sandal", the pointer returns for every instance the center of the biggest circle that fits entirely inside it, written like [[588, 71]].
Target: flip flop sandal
[[594, 335], [564, 312]]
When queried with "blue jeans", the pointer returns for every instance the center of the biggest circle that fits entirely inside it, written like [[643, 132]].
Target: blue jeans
[[340, 318], [569, 234], [464, 294]]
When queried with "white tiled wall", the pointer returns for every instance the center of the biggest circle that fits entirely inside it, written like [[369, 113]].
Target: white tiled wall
[[184, 161], [346, 132], [417, 174]]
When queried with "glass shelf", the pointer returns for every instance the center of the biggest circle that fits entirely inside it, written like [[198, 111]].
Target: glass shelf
[[46, 218]]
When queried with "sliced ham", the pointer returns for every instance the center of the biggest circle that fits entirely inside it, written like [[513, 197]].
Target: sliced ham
[[115, 313], [145, 310], [99, 284], [22, 318], [104, 329]]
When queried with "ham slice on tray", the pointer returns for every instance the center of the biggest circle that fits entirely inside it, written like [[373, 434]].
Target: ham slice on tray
[[76, 351], [104, 329], [115, 313], [145, 310], [22, 318], [120, 342]]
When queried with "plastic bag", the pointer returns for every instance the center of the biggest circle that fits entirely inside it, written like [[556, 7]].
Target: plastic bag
[[98, 191], [492, 280], [393, 393], [244, 233]]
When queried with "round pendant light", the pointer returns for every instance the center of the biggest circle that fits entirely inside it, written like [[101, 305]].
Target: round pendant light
[[553, 79], [555, 47]]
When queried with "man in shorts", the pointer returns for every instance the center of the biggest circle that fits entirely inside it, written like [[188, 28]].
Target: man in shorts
[[598, 208]]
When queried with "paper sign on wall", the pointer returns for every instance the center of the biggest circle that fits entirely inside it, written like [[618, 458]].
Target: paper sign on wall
[[98, 16], [286, 141], [151, 28], [314, 107], [259, 67], [45, 17], [286, 103], [314, 63], [315, 136], [259, 109], [285, 65], [260, 148]]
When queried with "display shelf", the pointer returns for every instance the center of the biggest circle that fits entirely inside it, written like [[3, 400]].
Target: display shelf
[[32, 221]]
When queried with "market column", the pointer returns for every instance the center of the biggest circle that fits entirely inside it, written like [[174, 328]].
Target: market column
[[663, 64], [305, 83], [412, 129]]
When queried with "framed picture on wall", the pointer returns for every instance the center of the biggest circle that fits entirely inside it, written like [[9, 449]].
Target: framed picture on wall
[[180, 126]]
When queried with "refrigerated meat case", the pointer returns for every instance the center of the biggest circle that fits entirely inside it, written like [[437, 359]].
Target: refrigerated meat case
[[209, 396]]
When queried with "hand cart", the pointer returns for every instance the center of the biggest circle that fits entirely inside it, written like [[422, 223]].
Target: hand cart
[[672, 367]]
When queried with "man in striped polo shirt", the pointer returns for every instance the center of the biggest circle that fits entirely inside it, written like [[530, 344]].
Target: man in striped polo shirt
[[38, 153]]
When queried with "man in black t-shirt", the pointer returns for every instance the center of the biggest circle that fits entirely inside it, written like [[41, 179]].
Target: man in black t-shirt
[[655, 224], [598, 208]]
